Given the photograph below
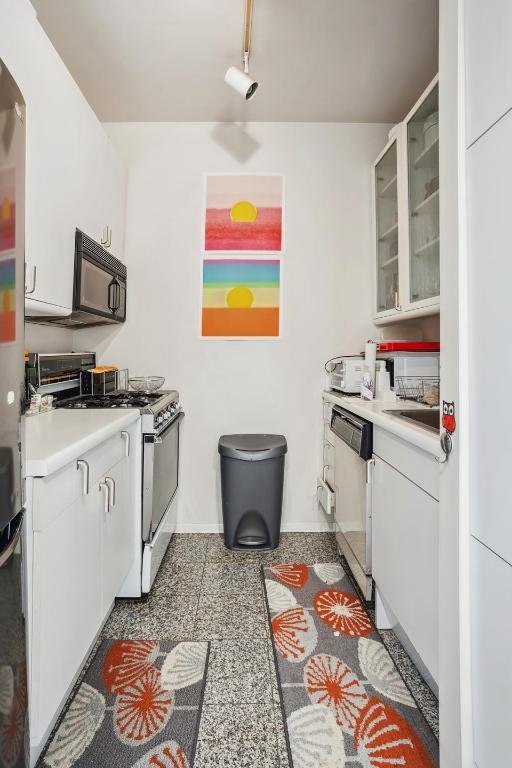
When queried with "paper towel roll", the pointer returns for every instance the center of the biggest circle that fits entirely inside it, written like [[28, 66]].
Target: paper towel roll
[[370, 354], [368, 385]]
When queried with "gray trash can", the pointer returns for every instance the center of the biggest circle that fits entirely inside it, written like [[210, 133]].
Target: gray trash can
[[251, 471]]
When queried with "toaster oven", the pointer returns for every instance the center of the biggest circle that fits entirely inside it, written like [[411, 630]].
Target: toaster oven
[[346, 375]]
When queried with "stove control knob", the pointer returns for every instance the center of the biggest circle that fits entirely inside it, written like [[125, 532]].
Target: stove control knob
[[167, 415], [159, 419]]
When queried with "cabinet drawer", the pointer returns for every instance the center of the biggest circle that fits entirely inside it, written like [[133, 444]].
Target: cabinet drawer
[[408, 459], [57, 492]]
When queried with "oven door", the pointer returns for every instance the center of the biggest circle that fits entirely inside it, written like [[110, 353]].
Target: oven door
[[160, 475]]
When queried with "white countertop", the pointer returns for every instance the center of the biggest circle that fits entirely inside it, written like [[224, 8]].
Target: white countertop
[[373, 410], [54, 439]]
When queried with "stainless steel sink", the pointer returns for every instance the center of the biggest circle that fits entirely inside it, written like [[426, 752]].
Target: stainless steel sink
[[429, 418]]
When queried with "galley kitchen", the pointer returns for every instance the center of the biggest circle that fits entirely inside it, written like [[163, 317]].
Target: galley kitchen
[[253, 497]]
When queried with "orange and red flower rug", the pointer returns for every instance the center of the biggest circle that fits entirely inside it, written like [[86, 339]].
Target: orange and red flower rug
[[344, 701], [138, 706]]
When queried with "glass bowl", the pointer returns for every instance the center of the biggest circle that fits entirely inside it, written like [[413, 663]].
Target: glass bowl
[[146, 383]]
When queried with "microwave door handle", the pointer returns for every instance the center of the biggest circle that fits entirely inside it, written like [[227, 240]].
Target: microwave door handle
[[114, 299], [110, 298], [113, 295]]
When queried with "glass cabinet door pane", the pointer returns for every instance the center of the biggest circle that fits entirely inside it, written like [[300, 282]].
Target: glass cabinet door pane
[[423, 175], [386, 208]]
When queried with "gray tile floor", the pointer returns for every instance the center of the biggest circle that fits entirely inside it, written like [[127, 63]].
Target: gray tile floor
[[203, 591]]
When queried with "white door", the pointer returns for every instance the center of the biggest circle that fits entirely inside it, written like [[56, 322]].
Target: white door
[[118, 532], [489, 170], [489, 63], [66, 604], [454, 660], [491, 587], [405, 546]]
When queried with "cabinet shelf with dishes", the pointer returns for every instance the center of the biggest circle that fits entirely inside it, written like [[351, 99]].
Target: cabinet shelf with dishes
[[406, 216]]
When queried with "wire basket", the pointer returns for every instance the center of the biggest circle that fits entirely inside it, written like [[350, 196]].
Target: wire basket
[[421, 389]]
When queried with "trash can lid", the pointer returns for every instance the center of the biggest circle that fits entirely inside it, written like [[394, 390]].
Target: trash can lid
[[252, 447]]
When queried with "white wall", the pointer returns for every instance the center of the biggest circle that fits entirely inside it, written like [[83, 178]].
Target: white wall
[[248, 386], [45, 338]]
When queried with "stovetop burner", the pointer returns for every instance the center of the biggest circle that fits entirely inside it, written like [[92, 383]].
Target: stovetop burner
[[114, 400]]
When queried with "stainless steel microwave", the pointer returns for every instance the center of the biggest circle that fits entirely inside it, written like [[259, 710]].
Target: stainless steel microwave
[[99, 290]]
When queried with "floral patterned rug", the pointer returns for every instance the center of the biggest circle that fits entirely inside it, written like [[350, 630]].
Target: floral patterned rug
[[138, 706], [344, 701]]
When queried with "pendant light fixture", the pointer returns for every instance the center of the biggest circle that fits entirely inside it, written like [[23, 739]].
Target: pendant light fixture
[[237, 78]]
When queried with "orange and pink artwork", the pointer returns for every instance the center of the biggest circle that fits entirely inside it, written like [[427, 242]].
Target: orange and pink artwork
[[7, 301], [7, 209], [244, 213], [241, 298]]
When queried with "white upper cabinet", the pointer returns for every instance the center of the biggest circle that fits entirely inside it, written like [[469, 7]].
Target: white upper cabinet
[[87, 191], [406, 215], [488, 57], [74, 177]]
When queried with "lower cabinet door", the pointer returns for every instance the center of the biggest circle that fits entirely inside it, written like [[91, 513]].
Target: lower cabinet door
[[66, 605], [491, 630], [405, 557], [118, 533]]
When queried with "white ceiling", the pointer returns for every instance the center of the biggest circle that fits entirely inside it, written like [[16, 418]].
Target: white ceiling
[[315, 60]]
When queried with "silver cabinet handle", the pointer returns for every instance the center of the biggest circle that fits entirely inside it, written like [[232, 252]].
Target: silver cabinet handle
[[126, 437], [84, 466], [106, 496], [397, 302], [34, 278], [324, 469], [369, 466], [111, 490], [446, 446]]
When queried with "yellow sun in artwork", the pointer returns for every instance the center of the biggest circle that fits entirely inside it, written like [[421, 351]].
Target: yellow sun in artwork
[[243, 211], [240, 297], [5, 209]]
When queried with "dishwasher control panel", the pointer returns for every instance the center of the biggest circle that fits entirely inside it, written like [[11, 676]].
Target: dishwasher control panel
[[353, 430]]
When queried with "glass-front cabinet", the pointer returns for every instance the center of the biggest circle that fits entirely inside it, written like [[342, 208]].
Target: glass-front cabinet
[[386, 229], [423, 199], [406, 215]]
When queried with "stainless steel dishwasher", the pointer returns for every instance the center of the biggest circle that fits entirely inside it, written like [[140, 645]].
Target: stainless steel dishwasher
[[353, 515]]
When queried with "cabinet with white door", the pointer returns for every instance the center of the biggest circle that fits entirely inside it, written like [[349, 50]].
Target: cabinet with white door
[[491, 628], [92, 202], [405, 180], [405, 546], [74, 175], [488, 61], [81, 531], [117, 527]]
